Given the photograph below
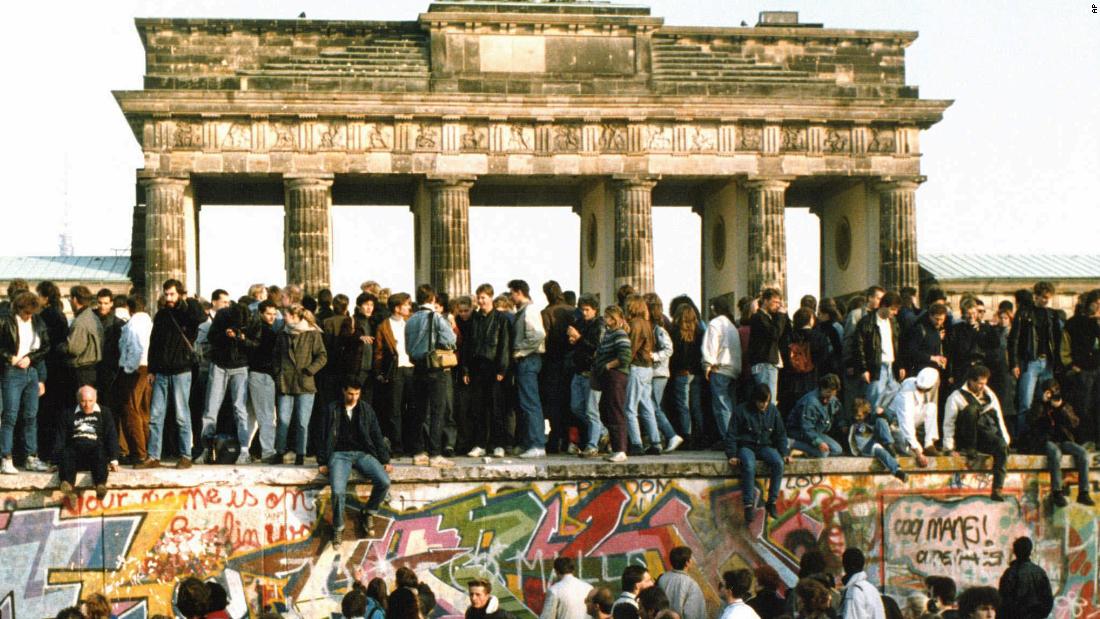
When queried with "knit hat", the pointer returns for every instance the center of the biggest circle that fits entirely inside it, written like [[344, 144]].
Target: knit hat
[[927, 378]]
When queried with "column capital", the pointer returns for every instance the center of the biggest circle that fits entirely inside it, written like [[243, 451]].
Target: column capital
[[296, 181], [778, 183], [163, 181], [642, 181], [899, 183], [444, 180]]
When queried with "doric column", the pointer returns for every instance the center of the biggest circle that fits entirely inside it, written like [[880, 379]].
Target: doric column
[[767, 235], [165, 233], [898, 233], [308, 232], [634, 232], [450, 234]]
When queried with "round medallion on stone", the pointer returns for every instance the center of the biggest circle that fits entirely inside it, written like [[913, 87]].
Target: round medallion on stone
[[591, 241], [718, 242], [843, 247]]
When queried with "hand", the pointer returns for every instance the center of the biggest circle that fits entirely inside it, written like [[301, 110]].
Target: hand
[[952, 453], [922, 460], [23, 363], [41, 389], [706, 375], [466, 380], [867, 377], [901, 373], [1016, 372], [823, 448], [323, 469], [735, 462], [500, 378], [366, 339], [388, 468], [940, 360], [152, 379]]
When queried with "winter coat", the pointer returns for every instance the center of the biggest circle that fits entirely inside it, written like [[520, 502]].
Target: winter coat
[[299, 355], [1025, 591], [172, 341], [85, 342]]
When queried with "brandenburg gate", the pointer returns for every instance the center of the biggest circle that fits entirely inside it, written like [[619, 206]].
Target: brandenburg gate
[[597, 106]]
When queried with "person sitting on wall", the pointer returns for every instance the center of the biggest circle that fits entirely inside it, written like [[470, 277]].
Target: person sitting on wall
[[812, 418], [756, 431], [88, 439], [911, 409], [1053, 425], [973, 415], [352, 438], [871, 436]]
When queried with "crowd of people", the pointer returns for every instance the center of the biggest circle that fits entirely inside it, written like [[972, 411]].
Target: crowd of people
[[420, 376], [1024, 593]]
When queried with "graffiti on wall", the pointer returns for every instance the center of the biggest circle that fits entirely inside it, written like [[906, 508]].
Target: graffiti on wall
[[267, 545]]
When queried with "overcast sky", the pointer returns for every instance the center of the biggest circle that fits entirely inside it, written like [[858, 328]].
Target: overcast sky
[[1013, 167]]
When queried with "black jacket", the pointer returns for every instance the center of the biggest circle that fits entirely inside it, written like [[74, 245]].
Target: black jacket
[[105, 427], [368, 420], [867, 347], [1028, 325], [1049, 423], [919, 344], [1025, 592], [260, 341], [489, 341], [686, 356], [169, 351], [967, 347], [229, 352], [9, 342], [1083, 334], [361, 354], [58, 327], [584, 351], [768, 336]]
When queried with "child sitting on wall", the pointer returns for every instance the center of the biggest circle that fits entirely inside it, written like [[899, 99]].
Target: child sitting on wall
[[871, 436]]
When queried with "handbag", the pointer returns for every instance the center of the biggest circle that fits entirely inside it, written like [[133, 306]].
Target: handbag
[[438, 359]]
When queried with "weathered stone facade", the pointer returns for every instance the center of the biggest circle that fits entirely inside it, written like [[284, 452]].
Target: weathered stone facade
[[595, 106]]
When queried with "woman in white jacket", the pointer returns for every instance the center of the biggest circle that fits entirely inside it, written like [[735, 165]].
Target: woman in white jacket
[[722, 361]]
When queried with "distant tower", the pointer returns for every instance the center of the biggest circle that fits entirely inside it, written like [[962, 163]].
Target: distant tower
[[65, 239]]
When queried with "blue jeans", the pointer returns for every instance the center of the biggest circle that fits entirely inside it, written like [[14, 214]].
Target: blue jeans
[[748, 459], [885, 382], [723, 399], [1031, 375], [584, 401], [261, 396], [180, 385], [527, 392], [1054, 453], [639, 406], [289, 405], [767, 374], [687, 410], [236, 380], [339, 470], [659, 384], [814, 451], [881, 437], [20, 400]]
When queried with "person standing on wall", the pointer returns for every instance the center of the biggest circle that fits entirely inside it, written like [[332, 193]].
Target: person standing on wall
[[171, 359], [1034, 345], [486, 359], [528, 346], [769, 334], [393, 369], [425, 333], [299, 355], [133, 385], [85, 343], [24, 344], [722, 362], [1081, 358]]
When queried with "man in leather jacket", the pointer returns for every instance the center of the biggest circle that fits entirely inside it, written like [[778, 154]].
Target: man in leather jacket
[[24, 342], [486, 358], [1034, 345]]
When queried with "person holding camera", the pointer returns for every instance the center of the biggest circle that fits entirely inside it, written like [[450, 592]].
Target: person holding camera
[[228, 370], [1053, 425]]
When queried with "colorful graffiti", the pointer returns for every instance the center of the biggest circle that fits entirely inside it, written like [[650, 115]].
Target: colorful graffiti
[[267, 544]]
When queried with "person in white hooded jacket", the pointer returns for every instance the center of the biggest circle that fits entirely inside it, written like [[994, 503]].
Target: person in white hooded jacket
[[861, 599], [722, 361], [565, 599]]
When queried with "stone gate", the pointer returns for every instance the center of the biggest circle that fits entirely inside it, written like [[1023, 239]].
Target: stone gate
[[581, 103]]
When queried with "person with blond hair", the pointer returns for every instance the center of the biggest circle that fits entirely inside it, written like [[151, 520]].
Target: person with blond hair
[[299, 355]]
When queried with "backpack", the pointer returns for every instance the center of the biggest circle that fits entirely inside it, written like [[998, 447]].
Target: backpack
[[802, 361]]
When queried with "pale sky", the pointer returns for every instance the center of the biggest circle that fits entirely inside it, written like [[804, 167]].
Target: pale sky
[[1014, 167]]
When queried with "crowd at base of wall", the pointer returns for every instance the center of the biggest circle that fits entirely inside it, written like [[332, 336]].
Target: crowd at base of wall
[[263, 531]]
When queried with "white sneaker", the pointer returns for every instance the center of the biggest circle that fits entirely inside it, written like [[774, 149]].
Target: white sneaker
[[534, 452], [440, 462], [674, 444], [618, 456], [7, 467], [498, 452], [476, 452], [243, 459], [35, 465], [421, 459]]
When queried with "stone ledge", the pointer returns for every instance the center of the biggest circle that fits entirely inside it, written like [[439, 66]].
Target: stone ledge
[[555, 468]]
